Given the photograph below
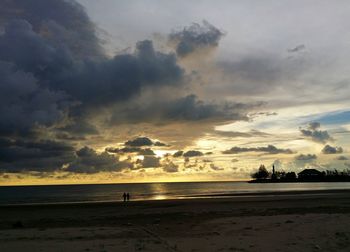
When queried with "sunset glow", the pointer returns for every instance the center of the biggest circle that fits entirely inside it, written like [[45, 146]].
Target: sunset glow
[[131, 91]]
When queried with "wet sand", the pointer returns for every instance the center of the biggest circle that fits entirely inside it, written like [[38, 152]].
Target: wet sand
[[293, 221]]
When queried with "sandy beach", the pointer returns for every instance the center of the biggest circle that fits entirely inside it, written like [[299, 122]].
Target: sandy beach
[[299, 221]]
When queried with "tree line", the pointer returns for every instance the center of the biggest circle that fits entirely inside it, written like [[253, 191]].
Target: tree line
[[263, 175]]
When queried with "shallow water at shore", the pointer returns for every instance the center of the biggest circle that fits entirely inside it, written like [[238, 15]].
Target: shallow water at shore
[[148, 191]]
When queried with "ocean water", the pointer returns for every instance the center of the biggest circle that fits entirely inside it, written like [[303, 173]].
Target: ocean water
[[147, 191]]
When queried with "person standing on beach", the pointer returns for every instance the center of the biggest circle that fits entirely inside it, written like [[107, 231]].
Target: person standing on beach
[[124, 196], [127, 196]]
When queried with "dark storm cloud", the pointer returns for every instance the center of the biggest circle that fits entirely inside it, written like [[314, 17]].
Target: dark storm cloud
[[49, 156], [188, 108], [23, 104], [78, 127], [91, 82], [332, 150], [270, 149], [118, 79], [194, 37], [45, 155], [68, 137], [63, 22], [191, 108], [31, 52], [313, 132], [89, 161], [99, 81], [306, 157], [55, 77], [59, 51]]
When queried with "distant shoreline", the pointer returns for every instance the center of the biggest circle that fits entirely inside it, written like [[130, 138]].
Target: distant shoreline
[[298, 181]]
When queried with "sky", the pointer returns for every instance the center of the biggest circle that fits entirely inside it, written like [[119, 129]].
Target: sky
[[144, 91]]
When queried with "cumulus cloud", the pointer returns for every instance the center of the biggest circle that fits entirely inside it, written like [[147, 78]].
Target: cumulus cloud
[[178, 153], [313, 132], [306, 157], [143, 141], [89, 161], [146, 152], [159, 144], [139, 141], [148, 162], [314, 125], [169, 166], [327, 149], [188, 154], [195, 37], [193, 153], [215, 167], [125, 150], [270, 149]]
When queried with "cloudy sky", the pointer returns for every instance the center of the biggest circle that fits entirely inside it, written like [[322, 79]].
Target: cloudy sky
[[138, 91]]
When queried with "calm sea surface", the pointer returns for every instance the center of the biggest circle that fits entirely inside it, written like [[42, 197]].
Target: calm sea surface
[[147, 191]]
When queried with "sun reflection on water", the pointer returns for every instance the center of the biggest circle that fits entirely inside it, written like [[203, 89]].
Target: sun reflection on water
[[159, 191]]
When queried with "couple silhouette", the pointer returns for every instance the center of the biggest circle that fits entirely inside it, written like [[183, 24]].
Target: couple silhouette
[[126, 196]]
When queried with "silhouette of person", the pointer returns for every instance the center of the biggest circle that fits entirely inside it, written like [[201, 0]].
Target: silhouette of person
[[127, 196], [124, 196]]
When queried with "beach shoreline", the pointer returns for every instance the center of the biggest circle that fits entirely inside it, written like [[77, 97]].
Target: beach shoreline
[[215, 196], [304, 221]]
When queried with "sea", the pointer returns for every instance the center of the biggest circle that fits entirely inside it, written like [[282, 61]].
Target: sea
[[53, 194]]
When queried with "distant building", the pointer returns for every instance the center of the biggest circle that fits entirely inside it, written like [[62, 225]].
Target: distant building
[[309, 174]]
